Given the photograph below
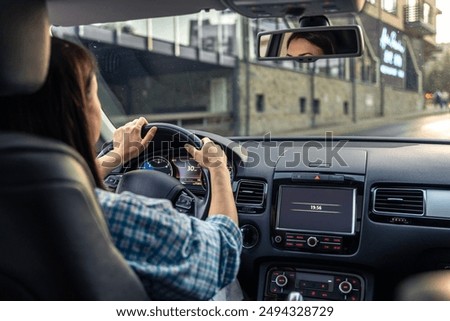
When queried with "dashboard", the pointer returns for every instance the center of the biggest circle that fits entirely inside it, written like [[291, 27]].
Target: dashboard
[[182, 167], [342, 220], [174, 162]]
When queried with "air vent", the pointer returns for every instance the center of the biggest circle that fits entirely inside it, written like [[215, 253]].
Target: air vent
[[399, 201], [250, 193]]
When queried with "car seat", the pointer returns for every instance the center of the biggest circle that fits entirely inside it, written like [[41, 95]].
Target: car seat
[[54, 241]]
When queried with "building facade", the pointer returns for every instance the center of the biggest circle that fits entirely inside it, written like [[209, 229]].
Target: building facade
[[385, 81], [163, 67]]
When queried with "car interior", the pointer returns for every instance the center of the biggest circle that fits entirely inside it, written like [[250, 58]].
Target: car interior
[[378, 223]]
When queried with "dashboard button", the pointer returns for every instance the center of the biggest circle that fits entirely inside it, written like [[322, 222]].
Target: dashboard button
[[312, 293], [353, 297], [281, 280], [307, 285], [309, 177], [345, 287], [356, 283], [324, 286], [274, 288], [312, 241]]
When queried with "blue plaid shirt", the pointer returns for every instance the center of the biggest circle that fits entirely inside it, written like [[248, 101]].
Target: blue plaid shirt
[[177, 257]]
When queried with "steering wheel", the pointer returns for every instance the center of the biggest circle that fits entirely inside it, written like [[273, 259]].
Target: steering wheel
[[155, 184]]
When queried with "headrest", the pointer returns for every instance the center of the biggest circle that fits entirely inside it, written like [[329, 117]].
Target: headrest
[[25, 46]]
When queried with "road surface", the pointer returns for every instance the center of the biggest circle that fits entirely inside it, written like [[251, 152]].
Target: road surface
[[436, 126]]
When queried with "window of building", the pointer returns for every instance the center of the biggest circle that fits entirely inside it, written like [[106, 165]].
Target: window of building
[[302, 103], [426, 13], [389, 6], [345, 107], [316, 106], [260, 103]]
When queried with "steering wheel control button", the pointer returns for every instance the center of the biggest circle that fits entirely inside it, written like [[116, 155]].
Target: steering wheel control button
[[312, 241], [345, 287], [112, 181], [281, 280], [184, 202]]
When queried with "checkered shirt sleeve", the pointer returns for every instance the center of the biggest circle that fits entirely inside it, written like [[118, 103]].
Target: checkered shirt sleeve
[[177, 257]]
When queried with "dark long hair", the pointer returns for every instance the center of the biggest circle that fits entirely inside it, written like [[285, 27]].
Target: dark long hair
[[58, 109]]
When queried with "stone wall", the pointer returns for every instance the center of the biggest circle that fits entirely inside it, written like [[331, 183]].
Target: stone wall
[[283, 89]]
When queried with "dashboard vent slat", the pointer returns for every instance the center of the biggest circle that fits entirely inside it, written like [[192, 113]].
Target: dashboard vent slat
[[250, 193], [399, 201]]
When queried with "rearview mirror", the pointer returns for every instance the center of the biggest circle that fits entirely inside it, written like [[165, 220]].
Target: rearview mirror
[[311, 43]]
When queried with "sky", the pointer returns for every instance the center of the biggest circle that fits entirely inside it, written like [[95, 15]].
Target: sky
[[443, 21]]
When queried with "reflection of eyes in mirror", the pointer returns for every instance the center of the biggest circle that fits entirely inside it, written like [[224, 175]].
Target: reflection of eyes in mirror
[[309, 44], [302, 47]]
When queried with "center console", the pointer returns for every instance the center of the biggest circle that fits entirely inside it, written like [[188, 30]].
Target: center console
[[315, 225], [316, 214]]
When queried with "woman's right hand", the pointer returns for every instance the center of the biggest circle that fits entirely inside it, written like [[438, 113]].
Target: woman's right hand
[[210, 156]]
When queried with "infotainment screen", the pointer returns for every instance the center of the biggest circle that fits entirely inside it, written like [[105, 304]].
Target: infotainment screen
[[318, 210]]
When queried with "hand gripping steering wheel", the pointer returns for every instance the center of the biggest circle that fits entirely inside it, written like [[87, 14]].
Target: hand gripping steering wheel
[[155, 184]]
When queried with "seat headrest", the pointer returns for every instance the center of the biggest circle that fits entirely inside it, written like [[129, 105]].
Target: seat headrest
[[25, 46]]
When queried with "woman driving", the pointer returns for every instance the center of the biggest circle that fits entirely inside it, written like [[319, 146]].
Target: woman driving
[[177, 257]]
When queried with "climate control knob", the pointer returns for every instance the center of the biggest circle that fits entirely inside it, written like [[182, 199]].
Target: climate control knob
[[345, 287], [281, 280]]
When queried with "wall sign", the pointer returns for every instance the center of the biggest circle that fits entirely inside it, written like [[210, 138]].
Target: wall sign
[[392, 54]]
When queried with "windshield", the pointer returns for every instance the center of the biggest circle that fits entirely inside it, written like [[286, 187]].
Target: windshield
[[201, 72]]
